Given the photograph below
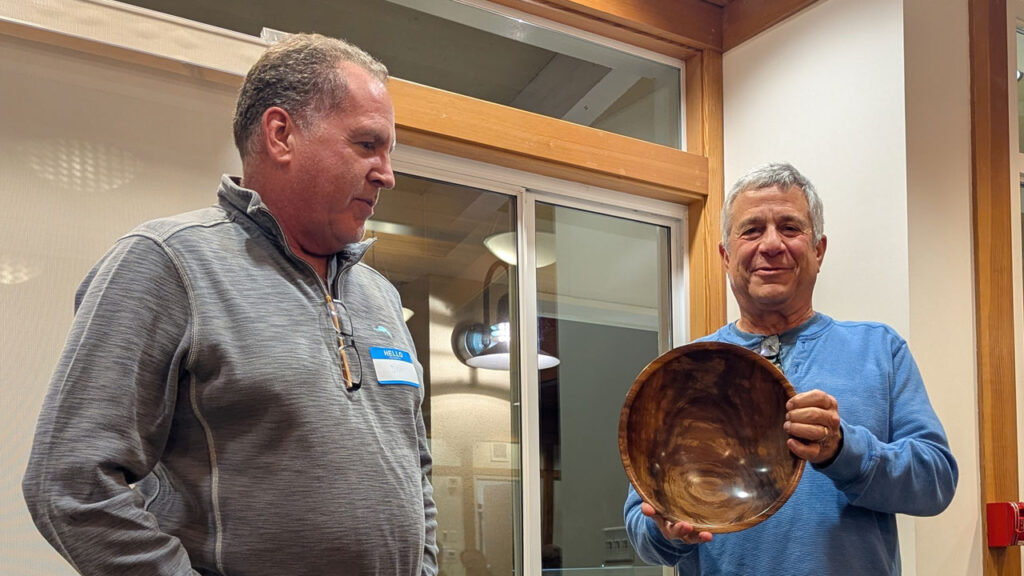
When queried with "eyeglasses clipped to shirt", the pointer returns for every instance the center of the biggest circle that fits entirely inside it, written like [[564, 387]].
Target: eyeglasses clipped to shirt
[[351, 372], [771, 348]]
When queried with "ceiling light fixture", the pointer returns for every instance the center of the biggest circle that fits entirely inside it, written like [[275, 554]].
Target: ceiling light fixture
[[503, 245], [488, 345]]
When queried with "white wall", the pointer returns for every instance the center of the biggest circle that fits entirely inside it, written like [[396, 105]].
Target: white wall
[[878, 120], [88, 150], [825, 91], [941, 269]]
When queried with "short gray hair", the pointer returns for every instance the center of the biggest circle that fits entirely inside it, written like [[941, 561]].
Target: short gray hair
[[300, 75], [785, 176]]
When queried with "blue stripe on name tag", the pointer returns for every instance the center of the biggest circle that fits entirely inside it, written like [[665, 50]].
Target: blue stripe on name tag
[[394, 366], [390, 354]]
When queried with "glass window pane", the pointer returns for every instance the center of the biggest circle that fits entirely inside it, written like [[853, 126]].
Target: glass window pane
[[431, 246], [479, 53], [604, 313]]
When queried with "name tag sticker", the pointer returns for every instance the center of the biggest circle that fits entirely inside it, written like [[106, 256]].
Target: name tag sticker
[[394, 366]]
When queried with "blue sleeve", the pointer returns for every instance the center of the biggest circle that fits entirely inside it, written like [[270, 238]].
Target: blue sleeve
[[651, 546], [912, 471]]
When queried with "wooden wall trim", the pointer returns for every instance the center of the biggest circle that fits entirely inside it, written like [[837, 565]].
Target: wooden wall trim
[[744, 19], [992, 186], [694, 23], [705, 129], [481, 130], [676, 28]]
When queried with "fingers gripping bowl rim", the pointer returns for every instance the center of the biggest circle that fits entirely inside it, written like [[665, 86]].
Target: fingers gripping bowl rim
[[701, 438]]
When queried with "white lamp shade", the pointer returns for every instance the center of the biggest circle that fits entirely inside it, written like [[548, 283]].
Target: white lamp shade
[[545, 361], [493, 361], [497, 357], [503, 245]]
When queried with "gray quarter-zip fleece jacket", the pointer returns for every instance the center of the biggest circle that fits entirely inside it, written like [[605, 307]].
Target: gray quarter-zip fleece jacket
[[202, 367]]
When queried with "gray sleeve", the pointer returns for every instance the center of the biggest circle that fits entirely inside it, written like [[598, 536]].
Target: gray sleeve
[[429, 507], [107, 416]]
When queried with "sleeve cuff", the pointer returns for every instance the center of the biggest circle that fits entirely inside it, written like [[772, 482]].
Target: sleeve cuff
[[848, 464]]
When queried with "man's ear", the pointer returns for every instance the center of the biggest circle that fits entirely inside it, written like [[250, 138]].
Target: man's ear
[[278, 133], [819, 250], [724, 254]]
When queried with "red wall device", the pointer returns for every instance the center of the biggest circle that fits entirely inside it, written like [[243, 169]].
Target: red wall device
[[1005, 523]]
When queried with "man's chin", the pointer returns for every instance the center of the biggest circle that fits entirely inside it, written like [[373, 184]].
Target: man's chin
[[769, 299], [343, 238]]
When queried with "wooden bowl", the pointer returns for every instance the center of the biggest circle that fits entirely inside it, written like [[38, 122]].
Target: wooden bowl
[[701, 437]]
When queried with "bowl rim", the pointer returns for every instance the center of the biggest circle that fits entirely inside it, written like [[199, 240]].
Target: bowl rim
[[639, 382]]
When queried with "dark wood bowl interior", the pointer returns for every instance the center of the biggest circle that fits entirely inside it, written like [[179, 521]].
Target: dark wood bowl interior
[[701, 437]]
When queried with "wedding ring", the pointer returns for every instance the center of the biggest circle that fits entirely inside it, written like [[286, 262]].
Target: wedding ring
[[828, 432]]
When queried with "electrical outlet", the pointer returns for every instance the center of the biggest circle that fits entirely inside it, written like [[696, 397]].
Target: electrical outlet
[[617, 549]]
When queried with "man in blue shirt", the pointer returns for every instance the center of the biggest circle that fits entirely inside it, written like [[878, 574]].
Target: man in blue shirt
[[861, 416]]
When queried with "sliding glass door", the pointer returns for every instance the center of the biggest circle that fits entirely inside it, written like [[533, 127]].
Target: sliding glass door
[[532, 313], [605, 312]]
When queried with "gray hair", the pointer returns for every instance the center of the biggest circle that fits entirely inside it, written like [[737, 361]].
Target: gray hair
[[785, 176], [300, 75]]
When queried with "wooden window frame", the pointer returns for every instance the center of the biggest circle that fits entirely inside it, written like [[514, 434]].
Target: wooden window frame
[[993, 181]]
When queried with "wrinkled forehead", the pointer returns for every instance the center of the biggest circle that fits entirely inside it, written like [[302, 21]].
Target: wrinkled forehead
[[770, 199]]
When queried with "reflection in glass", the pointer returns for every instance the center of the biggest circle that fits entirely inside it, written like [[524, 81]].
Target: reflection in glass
[[605, 312], [479, 53], [430, 245], [503, 245]]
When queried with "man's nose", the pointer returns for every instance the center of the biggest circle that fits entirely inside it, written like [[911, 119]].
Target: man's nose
[[382, 175], [771, 241]]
